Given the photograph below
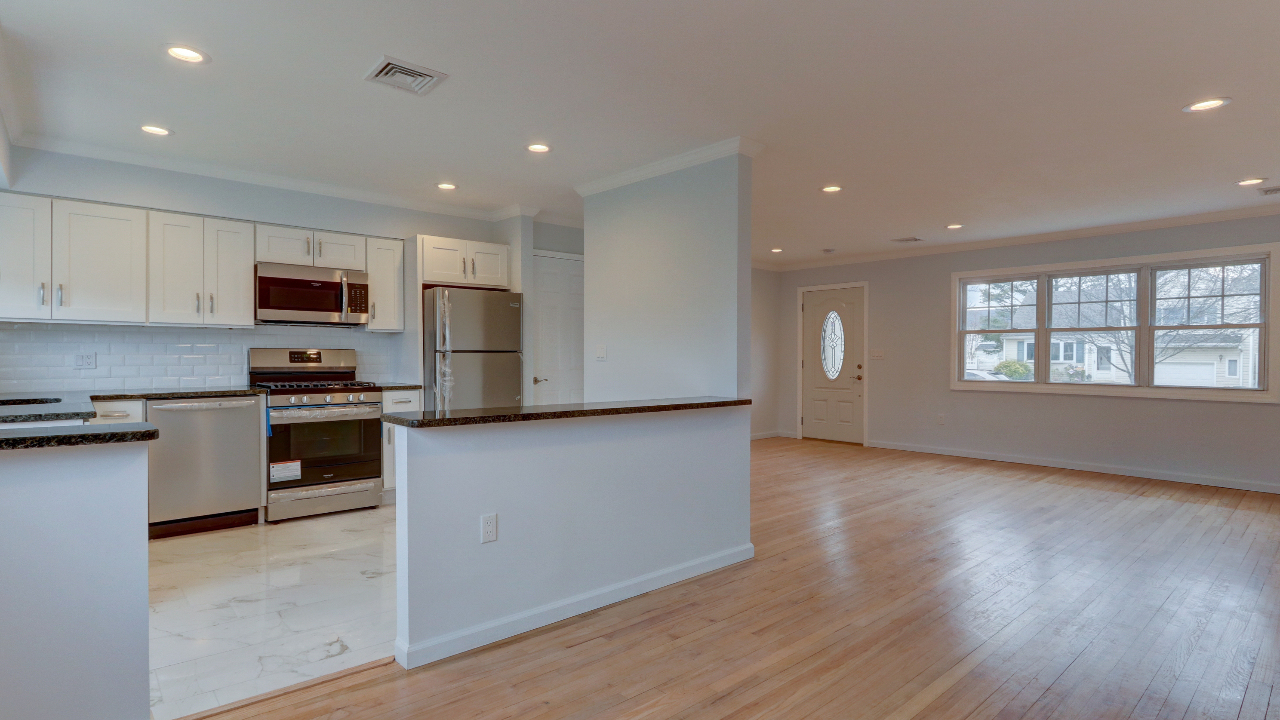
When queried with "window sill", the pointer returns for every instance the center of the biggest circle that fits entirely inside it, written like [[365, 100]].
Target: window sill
[[1159, 393]]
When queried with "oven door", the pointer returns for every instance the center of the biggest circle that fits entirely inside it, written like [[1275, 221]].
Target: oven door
[[296, 293], [317, 445]]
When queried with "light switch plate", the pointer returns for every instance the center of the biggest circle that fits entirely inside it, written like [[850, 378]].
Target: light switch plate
[[600, 352]]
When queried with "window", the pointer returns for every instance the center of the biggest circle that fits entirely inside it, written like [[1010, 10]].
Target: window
[[1169, 326], [832, 345]]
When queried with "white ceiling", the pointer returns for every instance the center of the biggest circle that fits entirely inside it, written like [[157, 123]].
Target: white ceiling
[[1013, 117]]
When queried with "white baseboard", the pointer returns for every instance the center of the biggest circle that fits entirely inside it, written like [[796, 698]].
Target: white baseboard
[[763, 435], [1231, 483], [437, 648], [388, 496]]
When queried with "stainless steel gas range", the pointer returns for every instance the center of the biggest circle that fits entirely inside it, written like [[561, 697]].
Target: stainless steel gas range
[[324, 444]]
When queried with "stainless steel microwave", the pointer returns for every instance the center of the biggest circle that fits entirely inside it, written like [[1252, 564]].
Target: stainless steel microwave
[[311, 295]]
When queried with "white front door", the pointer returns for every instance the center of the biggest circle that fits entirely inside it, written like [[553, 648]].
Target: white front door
[[555, 330], [833, 373]]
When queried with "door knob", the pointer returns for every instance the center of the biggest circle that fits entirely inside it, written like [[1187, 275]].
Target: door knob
[[537, 380], [858, 377]]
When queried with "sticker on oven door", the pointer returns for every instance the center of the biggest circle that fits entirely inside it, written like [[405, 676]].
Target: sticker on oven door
[[290, 470]]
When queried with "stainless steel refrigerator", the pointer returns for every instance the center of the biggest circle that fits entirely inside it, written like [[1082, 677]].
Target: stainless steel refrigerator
[[472, 347]]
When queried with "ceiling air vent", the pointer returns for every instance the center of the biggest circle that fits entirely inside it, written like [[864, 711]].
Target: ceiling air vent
[[906, 240], [405, 76], [1270, 191]]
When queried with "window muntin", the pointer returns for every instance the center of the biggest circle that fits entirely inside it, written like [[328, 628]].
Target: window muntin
[[1190, 325], [999, 320]]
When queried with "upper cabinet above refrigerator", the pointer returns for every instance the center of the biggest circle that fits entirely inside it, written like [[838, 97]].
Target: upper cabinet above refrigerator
[[448, 261]]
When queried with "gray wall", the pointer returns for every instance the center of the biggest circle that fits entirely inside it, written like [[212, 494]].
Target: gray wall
[[764, 353], [1217, 443], [668, 285], [558, 238], [81, 178]]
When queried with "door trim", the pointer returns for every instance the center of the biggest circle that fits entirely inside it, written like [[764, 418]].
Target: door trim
[[866, 352]]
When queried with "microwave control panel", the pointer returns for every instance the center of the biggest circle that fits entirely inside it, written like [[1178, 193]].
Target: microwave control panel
[[357, 299]]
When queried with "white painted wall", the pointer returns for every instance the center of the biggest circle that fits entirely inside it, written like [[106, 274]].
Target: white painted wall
[[73, 611], [668, 285], [557, 238], [590, 511], [1215, 443], [764, 353]]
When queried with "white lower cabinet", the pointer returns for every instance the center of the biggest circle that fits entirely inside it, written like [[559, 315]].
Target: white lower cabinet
[[99, 263], [119, 411], [395, 401]]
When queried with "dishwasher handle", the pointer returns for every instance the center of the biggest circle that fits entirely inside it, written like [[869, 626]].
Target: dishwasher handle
[[193, 406]]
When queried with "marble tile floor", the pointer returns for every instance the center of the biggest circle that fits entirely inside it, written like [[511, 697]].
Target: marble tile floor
[[240, 612]]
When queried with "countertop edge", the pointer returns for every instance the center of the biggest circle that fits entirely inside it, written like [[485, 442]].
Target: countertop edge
[[395, 419], [49, 416], [76, 435], [177, 394]]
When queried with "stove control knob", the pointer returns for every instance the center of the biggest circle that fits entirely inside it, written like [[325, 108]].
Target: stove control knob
[[328, 398], [351, 398], [361, 397], [293, 401]]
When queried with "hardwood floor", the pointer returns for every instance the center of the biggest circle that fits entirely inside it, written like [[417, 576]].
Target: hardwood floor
[[899, 585]]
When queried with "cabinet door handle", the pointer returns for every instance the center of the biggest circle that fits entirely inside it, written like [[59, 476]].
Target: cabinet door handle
[[401, 401], [473, 268], [319, 248], [113, 414], [308, 246], [59, 294], [197, 303], [464, 268], [210, 303], [373, 310], [41, 294]]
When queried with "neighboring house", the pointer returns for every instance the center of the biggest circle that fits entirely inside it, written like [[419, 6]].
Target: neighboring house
[[1227, 360]]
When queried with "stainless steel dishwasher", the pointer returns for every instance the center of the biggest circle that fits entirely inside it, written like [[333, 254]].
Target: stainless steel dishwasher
[[208, 458]]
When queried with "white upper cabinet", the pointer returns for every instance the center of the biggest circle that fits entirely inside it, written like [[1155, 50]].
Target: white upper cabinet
[[176, 269], [444, 260], [488, 263], [228, 273], [386, 285], [26, 247], [287, 245], [336, 250], [99, 262], [447, 261]]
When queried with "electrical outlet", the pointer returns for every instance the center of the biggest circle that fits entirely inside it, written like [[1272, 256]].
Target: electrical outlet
[[600, 353], [488, 528], [87, 362]]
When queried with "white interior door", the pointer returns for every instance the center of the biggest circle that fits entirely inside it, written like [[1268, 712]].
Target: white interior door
[[228, 273], [555, 330], [26, 255], [336, 250], [176, 268], [832, 372], [99, 262]]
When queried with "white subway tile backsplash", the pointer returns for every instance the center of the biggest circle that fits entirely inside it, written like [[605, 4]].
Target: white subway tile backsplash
[[36, 356]]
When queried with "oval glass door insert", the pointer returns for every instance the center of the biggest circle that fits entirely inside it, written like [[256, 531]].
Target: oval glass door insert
[[832, 345]]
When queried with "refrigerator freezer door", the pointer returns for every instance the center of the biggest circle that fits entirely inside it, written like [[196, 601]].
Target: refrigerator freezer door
[[487, 320], [479, 380]]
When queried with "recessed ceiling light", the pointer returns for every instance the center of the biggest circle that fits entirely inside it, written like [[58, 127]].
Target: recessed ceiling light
[[447, 186], [539, 148], [186, 54], [1210, 104], [155, 130], [831, 188], [776, 250], [954, 226], [1252, 181]]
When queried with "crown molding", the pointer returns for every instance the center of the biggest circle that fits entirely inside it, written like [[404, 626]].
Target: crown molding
[[1244, 213], [511, 211], [253, 178], [697, 156]]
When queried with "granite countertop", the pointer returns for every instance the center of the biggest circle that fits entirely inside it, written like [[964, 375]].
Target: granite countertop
[[178, 393], [398, 386], [68, 435], [33, 406], [431, 418]]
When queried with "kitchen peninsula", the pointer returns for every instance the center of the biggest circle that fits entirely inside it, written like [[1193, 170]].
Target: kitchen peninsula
[[514, 518], [73, 522]]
